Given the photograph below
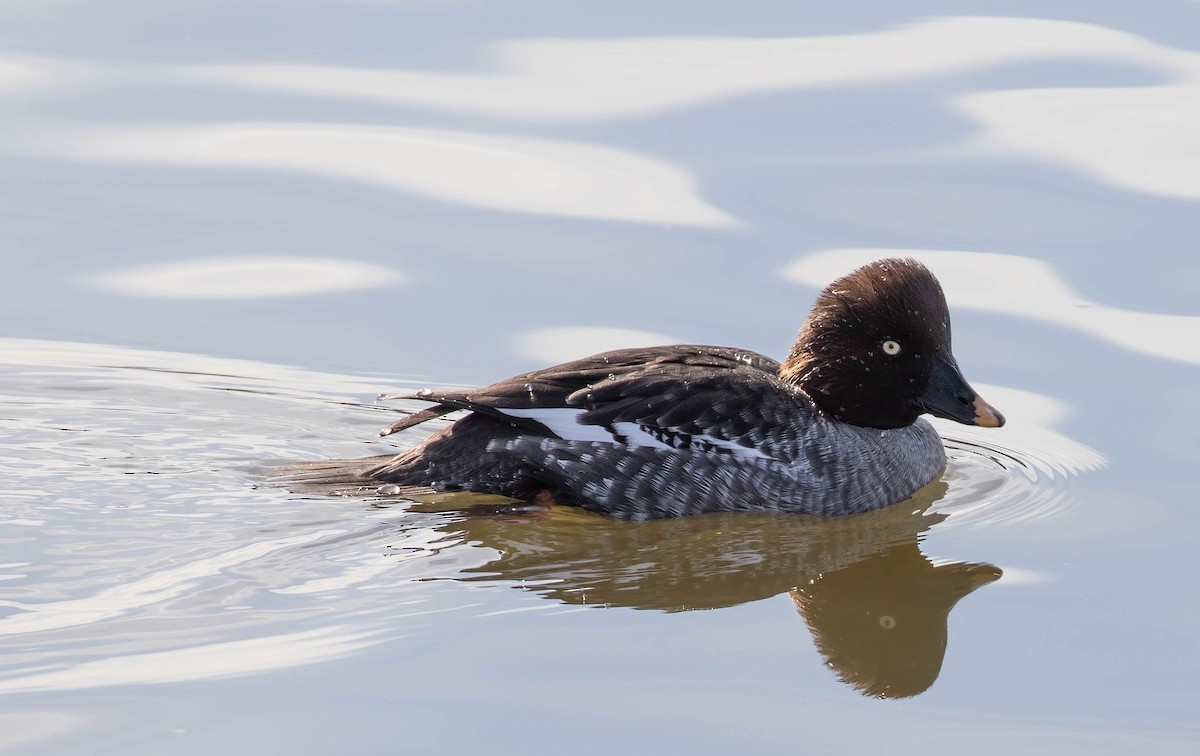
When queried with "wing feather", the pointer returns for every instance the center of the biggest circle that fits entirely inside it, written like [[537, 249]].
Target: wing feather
[[685, 396]]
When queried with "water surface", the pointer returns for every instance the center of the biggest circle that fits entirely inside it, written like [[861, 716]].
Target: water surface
[[229, 227]]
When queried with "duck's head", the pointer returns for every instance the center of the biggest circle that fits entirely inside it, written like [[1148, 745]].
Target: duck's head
[[875, 351]]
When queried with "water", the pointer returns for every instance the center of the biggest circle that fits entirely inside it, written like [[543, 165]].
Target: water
[[229, 227]]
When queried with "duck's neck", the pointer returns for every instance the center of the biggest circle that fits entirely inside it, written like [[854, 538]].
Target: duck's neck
[[801, 369], [797, 367]]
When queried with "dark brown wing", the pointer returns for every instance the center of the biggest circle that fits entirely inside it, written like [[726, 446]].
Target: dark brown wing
[[607, 374]]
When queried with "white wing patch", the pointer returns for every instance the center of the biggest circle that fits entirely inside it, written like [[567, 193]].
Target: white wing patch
[[564, 423]]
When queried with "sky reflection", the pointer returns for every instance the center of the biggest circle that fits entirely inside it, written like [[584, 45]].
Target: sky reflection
[[37, 76], [516, 174], [246, 278], [554, 345], [584, 78], [1145, 139]]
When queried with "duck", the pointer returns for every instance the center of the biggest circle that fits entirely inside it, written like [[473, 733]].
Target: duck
[[668, 431]]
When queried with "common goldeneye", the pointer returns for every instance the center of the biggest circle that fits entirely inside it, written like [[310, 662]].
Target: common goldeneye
[[679, 430]]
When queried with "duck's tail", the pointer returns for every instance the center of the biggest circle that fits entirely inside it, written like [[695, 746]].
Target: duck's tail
[[342, 477], [461, 457]]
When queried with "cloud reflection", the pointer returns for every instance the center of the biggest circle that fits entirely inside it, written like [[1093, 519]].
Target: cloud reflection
[[25, 73], [563, 79], [554, 345], [245, 278], [516, 174], [1024, 287], [1139, 138], [1146, 139]]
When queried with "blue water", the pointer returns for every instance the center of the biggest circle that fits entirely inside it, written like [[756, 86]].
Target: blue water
[[228, 227]]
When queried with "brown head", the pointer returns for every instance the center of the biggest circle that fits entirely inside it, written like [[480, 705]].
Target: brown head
[[875, 351]]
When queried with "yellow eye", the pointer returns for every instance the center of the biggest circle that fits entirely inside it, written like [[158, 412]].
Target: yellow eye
[[891, 347]]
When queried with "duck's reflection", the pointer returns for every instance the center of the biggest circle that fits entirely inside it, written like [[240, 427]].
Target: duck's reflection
[[880, 622], [876, 606]]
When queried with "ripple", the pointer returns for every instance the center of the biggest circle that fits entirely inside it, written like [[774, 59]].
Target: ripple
[[202, 662], [1015, 477], [139, 548]]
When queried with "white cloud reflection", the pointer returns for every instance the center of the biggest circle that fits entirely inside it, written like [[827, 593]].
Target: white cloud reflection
[[245, 278], [1024, 287], [554, 345], [23, 74], [1146, 139], [620, 77], [1139, 138], [516, 174]]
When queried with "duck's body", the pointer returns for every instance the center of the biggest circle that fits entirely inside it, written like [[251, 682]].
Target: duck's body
[[679, 430]]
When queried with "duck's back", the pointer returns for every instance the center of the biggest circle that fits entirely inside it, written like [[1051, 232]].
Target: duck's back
[[660, 432]]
